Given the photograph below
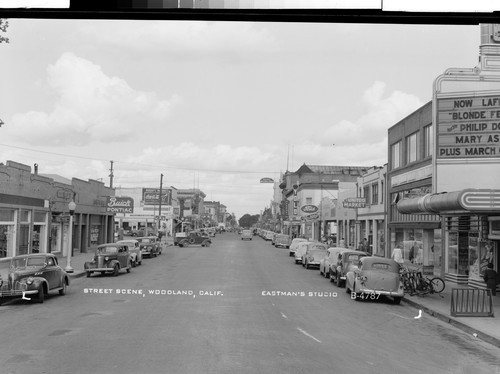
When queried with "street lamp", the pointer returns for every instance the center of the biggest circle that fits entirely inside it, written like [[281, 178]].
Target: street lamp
[[72, 207]]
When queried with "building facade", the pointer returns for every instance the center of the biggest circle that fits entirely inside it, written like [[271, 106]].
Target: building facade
[[34, 212]]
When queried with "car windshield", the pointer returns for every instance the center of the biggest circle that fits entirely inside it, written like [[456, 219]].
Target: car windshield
[[107, 250], [145, 241], [318, 247], [354, 257], [379, 266], [316, 253]]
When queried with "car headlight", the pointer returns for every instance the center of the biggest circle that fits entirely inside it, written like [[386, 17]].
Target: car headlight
[[30, 280], [106, 258]]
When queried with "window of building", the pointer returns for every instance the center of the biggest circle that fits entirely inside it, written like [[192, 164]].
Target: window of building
[[411, 148], [382, 194], [375, 193], [366, 194], [396, 155], [428, 141]]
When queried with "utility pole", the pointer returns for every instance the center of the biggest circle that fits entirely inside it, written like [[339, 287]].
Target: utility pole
[[159, 205], [111, 176]]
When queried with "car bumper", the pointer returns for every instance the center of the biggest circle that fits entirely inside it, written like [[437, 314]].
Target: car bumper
[[17, 293], [382, 293]]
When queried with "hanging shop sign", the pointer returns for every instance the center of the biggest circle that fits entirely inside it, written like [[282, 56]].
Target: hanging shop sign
[[354, 202], [116, 204], [468, 127]]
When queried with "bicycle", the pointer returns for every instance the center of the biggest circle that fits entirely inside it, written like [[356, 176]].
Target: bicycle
[[415, 283]]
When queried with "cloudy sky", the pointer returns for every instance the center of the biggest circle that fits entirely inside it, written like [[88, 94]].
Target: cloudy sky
[[215, 105]]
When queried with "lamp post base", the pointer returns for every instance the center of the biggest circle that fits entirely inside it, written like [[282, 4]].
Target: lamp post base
[[69, 269]]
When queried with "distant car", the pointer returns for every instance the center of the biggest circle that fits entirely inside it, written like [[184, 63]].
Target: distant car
[[149, 245], [109, 258], [269, 235], [282, 240], [294, 245], [246, 235], [299, 252], [347, 261], [314, 253], [134, 249], [195, 238], [33, 274], [330, 259], [375, 277]]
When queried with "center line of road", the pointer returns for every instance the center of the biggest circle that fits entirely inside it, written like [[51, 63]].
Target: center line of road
[[307, 334], [284, 316]]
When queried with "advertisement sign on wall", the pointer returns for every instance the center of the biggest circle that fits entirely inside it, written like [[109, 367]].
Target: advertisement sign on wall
[[116, 204], [151, 196]]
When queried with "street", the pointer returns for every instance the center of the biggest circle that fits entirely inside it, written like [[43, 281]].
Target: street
[[235, 307]]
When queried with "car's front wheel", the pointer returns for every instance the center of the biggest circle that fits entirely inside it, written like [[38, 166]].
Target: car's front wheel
[[116, 270], [88, 274], [396, 300], [129, 266], [41, 294]]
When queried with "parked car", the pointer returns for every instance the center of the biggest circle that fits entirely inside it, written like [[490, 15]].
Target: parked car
[[269, 235], [347, 261], [314, 253], [282, 240], [294, 244], [134, 249], [149, 245], [375, 277], [32, 274], [300, 250], [195, 238], [109, 258], [330, 259], [246, 235]]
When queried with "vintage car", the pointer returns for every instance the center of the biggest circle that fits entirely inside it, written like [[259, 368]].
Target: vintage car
[[299, 251], [268, 235], [195, 238], [246, 235], [294, 245], [330, 259], [32, 274], [375, 277], [347, 261], [149, 245], [282, 240], [134, 249], [314, 254], [109, 258]]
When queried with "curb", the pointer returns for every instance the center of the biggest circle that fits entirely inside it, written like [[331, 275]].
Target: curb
[[462, 326], [76, 274]]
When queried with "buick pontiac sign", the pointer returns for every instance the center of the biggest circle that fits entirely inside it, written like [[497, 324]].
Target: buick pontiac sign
[[119, 204], [309, 208]]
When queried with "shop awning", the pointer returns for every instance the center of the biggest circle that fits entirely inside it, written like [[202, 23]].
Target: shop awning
[[464, 201]]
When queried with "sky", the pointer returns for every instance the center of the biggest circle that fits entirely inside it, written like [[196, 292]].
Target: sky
[[214, 105]]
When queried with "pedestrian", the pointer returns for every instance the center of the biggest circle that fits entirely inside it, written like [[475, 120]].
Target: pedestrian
[[490, 277], [397, 255]]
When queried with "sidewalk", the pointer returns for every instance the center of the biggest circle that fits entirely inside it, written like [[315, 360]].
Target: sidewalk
[[79, 259], [485, 328]]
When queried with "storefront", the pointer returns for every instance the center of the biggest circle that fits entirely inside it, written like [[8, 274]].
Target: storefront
[[470, 231]]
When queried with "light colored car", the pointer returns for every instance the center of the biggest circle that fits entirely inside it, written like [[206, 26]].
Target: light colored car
[[347, 261], [375, 277], [294, 244], [134, 249], [282, 240], [246, 235], [314, 254], [269, 235], [300, 250], [332, 257]]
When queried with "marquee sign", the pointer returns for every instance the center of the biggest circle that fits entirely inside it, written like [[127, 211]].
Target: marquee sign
[[468, 127], [266, 180], [119, 204]]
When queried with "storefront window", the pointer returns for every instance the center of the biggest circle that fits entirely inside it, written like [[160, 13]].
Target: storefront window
[[94, 235], [24, 216], [7, 215], [6, 240], [55, 238], [452, 240]]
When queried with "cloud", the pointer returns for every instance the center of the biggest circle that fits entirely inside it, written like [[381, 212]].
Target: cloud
[[89, 106]]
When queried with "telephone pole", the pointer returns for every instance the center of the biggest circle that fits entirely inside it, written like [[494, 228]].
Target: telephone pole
[[159, 205], [111, 176]]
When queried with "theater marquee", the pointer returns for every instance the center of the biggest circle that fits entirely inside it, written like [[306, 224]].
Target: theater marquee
[[468, 127]]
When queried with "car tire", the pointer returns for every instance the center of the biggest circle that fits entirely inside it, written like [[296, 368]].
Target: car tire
[[337, 280], [41, 294], [332, 279], [207, 244], [88, 274], [396, 300], [134, 263], [129, 266], [307, 265], [116, 270], [62, 291]]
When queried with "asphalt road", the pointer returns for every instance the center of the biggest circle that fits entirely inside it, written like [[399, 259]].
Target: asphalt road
[[236, 307]]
